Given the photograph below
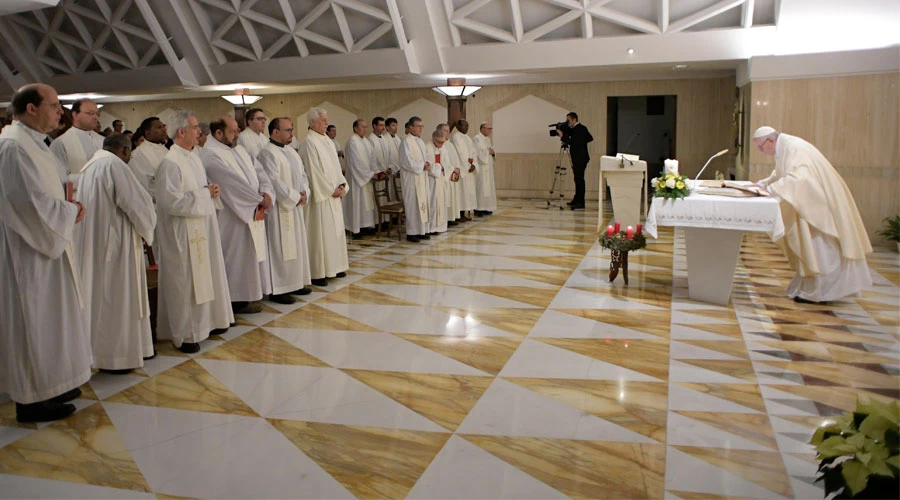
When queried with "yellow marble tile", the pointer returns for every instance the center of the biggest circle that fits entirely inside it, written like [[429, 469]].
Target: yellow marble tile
[[548, 276], [637, 406], [519, 321], [439, 253], [650, 259], [843, 398], [885, 319], [738, 369], [538, 297], [652, 322], [809, 349], [839, 373], [316, 317], [574, 248], [735, 348], [423, 262], [807, 317], [488, 354], [260, 346], [370, 462], [765, 468], [719, 314], [754, 427], [564, 261], [584, 469], [843, 354], [165, 348], [747, 395], [371, 261], [658, 298], [85, 448], [733, 331], [443, 399], [87, 392], [360, 295], [186, 387], [462, 239], [394, 277], [8, 417], [650, 357]]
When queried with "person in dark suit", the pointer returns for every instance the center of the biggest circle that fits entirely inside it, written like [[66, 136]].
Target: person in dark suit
[[576, 136]]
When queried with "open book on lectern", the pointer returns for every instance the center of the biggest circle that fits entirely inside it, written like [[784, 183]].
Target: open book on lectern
[[736, 189]]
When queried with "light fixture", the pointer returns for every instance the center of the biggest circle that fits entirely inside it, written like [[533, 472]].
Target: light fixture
[[69, 106], [457, 88], [680, 66], [630, 51], [241, 99]]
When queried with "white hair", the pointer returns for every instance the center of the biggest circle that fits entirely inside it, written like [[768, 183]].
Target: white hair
[[178, 121], [765, 132], [482, 125], [314, 114]]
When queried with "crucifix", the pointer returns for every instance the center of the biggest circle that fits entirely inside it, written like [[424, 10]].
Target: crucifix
[[198, 241]]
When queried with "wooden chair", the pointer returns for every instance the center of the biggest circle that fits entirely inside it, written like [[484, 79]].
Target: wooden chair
[[152, 285], [391, 209]]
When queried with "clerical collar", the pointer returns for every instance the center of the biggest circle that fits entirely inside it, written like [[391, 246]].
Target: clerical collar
[[184, 151], [376, 135], [39, 137], [215, 143], [273, 141]]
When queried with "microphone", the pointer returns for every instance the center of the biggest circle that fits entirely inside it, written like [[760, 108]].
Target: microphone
[[711, 158]]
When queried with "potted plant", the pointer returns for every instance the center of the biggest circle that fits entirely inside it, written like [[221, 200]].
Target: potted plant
[[859, 454], [891, 231]]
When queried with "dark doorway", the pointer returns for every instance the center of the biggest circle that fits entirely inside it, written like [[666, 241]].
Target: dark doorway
[[642, 125]]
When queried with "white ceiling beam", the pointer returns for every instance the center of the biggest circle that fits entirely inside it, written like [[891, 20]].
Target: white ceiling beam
[[516, 12], [276, 46], [472, 6], [265, 20], [397, 21], [104, 8], [366, 9], [205, 26], [485, 30], [777, 11], [13, 80], [427, 36], [197, 56], [235, 49], [49, 61], [221, 5], [250, 31], [587, 25], [148, 56], [27, 23], [116, 58], [322, 40], [82, 11], [343, 26], [454, 31], [627, 20], [288, 12], [569, 4], [747, 14], [224, 27], [136, 32], [366, 63], [551, 25], [703, 15], [127, 47], [663, 16], [373, 35], [314, 14]]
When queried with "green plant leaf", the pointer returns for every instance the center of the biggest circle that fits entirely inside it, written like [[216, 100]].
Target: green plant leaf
[[890, 411], [894, 462], [877, 465], [835, 446], [856, 475]]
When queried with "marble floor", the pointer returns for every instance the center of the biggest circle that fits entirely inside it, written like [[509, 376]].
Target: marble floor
[[494, 361]]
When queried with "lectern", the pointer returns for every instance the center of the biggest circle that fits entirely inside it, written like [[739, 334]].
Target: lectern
[[628, 185]]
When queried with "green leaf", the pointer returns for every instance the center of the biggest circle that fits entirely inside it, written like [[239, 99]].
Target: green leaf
[[857, 440], [877, 465], [893, 462], [856, 475]]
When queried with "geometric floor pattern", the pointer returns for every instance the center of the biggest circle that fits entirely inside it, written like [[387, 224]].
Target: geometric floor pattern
[[494, 361]]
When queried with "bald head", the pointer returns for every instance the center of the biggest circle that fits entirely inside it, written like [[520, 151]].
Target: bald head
[[37, 105], [119, 145], [225, 130]]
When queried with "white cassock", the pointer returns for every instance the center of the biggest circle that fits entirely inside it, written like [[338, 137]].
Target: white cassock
[[45, 347], [450, 160], [824, 237], [387, 156], [193, 289], [395, 162], [359, 204], [414, 181], [485, 190], [76, 147], [465, 148], [252, 141], [286, 225], [119, 213], [145, 160], [438, 178], [241, 180], [327, 241]]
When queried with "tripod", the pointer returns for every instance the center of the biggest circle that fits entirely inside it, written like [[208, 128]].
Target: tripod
[[563, 162]]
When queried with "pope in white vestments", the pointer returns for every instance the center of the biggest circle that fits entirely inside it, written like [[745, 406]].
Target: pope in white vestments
[[486, 193], [120, 215], [246, 193], [465, 147], [438, 178], [145, 159], [286, 224], [78, 144], [414, 172], [327, 241], [45, 352], [359, 204], [824, 237], [193, 289], [253, 138]]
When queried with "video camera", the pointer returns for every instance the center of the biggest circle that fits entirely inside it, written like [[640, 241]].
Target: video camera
[[557, 127]]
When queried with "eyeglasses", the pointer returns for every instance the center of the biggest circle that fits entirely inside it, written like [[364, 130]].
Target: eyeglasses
[[261, 118], [89, 113], [287, 130]]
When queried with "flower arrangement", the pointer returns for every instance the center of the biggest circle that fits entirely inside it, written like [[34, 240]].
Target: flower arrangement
[[859, 454], [623, 241], [670, 184]]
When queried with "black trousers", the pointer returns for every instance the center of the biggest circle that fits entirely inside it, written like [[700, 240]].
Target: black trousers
[[578, 169]]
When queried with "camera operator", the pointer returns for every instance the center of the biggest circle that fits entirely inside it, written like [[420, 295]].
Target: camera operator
[[576, 136]]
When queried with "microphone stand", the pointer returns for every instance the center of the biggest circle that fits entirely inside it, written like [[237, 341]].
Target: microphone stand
[[711, 158]]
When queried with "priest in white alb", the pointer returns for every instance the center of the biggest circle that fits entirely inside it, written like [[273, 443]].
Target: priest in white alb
[[45, 350], [253, 138], [824, 238], [247, 195], [360, 213], [438, 178], [465, 148], [111, 258], [286, 223], [451, 162], [78, 144], [387, 155], [485, 191], [327, 241], [145, 159], [390, 126], [193, 290], [414, 172]]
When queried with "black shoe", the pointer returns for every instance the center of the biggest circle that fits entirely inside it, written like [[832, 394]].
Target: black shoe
[[320, 282], [800, 300], [190, 347], [44, 411], [424, 237], [341, 274], [148, 358], [452, 223], [67, 396], [356, 236], [570, 203], [246, 307], [488, 212], [124, 371], [217, 331], [479, 213], [413, 238], [577, 207], [302, 291], [282, 298]]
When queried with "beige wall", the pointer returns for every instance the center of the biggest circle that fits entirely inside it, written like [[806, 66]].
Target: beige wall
[[853, 120]]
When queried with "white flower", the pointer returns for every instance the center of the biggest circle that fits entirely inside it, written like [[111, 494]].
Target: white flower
[[671, 167], [655, 182], [670, 183]]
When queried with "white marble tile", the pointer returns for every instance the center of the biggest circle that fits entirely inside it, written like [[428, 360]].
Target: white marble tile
[[685, 317], [12, 486], [681, 332], [686, 431], [472, 277], [415, 319], [372, 351], [680, 350], [685, 372], [314, 394], [463, 471], [686, 473], [539, 360], [491, 262], [446, 296], [207, 455], [106, 385], [572, 298], [555, 324], [507, 409], [12, 434], [161, 363]]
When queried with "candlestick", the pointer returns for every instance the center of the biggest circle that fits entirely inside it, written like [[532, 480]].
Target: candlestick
[[629, 232], [618, 228], [609, 230], [640, 229]]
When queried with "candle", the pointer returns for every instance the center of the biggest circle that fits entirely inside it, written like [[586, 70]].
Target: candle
[[629, 232], [609, 230], [618, 228], [640, 229]]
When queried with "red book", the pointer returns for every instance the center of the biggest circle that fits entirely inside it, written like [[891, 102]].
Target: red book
[[437, 158], [70, 191], [260, 214]]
